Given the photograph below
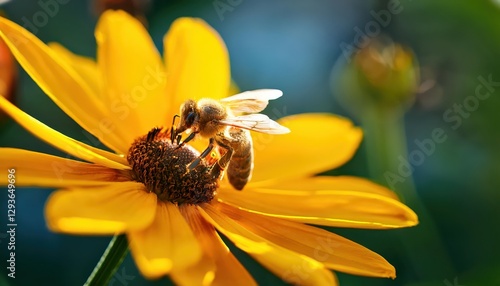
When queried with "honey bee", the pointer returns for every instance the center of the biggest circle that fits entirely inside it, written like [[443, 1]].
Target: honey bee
[[226, 123]]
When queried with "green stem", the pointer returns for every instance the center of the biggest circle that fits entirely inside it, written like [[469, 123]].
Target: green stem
[[386, 148], [110, 261], [384, 133]]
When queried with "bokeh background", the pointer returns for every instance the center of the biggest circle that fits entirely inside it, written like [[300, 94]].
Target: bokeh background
[[297, 46]]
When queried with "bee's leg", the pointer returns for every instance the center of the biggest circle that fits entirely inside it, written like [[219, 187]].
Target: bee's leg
[[189, 138], [173, 131], [172, 134], [223, 161], [178, 139], [204, 154]]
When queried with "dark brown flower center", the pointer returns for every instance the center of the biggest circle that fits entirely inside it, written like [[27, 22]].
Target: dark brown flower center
[[162, 166]]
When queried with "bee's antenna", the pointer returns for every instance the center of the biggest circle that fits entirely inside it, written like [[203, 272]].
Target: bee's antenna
[[173, 120]]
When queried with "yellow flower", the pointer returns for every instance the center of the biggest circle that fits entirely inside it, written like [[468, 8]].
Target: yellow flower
[[129, 91]]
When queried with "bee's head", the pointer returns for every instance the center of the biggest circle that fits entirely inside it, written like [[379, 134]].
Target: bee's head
[[189, 115]]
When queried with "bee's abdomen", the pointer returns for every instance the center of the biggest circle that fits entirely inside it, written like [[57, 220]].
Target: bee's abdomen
[[240, 168]]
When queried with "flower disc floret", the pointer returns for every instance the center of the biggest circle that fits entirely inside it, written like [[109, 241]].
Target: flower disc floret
[[162, 166]]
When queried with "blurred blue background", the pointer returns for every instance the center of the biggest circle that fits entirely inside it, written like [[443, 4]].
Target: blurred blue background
[[293, 46]]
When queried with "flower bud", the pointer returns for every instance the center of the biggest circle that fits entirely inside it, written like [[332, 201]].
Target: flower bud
[[382, 73]]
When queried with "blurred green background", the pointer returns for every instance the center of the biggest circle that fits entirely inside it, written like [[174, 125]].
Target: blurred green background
[[297, 46]]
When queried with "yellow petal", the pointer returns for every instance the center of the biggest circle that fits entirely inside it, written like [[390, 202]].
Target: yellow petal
[[341, 208], [225, 268], [42, 170], [167, 244], [334, 251], [202, 272], [349, 183], [63, 142], [316, 143], [197, 63], [110, 209], [85, 67], [60, 82], [133, 74], [290, 266]]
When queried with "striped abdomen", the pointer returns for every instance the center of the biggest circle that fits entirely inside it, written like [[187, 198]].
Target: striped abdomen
[[240, 167]]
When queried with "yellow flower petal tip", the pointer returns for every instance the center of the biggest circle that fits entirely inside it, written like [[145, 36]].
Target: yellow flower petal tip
[[155, 268], [187, 26], [411, 218], [115, 19], [117, 15]]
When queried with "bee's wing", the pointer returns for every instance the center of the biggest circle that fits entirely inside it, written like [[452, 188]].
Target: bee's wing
[[256, 122], [251, 101]]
